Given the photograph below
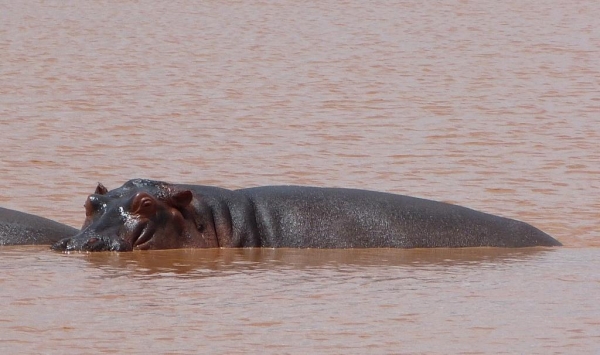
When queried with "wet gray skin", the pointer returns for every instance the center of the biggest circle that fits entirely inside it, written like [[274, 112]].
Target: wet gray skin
[[146, 214], [140, 215], [20, 228]]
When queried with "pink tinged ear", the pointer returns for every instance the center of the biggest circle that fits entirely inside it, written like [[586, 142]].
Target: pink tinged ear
[[100, 189], [181, 199]]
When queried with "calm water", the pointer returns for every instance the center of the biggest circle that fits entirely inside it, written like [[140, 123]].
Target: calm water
[[492, 105]]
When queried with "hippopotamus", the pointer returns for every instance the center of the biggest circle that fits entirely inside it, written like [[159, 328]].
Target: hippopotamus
[[146, 214], [20, 228]]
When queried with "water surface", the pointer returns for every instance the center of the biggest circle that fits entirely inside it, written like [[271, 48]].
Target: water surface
[[491, 105]]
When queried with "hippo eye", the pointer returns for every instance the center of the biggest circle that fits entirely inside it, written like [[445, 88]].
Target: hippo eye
[[143, 204], [146, 203]]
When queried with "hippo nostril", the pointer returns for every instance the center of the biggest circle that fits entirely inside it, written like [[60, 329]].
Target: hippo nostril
[[95, 244], [61, 245]]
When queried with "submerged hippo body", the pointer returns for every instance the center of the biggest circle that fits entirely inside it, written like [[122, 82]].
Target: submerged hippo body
[[146, 214], [20, 228]]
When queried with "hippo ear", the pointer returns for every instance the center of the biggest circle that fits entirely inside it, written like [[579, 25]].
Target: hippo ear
[[181, 199], [100, 189]]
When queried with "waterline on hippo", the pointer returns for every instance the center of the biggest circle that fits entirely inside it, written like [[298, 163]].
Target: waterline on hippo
[[147, 214]]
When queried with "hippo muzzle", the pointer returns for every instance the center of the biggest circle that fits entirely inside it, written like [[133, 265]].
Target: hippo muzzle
[[85, 242]]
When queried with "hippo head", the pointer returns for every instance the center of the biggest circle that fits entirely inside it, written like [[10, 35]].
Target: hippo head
[[143, 214]]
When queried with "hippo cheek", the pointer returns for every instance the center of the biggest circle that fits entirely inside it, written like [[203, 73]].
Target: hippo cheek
[[159, 238], [143, 236], [169, 231]]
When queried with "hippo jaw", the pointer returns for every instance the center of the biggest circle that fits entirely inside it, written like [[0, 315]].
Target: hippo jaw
[[142, 236]]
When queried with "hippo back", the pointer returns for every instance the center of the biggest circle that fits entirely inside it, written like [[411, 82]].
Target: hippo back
[[19, 228], [295, 216]]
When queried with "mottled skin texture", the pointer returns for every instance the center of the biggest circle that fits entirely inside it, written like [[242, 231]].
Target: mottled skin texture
[[146, 214], [19, 228]]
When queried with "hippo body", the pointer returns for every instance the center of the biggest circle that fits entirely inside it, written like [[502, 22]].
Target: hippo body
[[146, 214], [20, 228], [292, 216]]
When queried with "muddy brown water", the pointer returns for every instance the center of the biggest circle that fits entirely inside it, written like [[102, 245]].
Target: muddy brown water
[[491, 105]]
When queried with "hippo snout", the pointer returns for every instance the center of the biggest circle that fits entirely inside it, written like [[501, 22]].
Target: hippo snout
[[61, 245], [91, 243]]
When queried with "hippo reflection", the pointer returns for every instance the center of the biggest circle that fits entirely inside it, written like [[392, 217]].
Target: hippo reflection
[[146, 214]]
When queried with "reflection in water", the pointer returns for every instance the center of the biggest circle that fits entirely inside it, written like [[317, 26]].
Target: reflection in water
[[479, 300], [191, 263]]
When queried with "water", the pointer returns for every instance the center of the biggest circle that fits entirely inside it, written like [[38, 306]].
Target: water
[[295, 301], [489, 105]]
